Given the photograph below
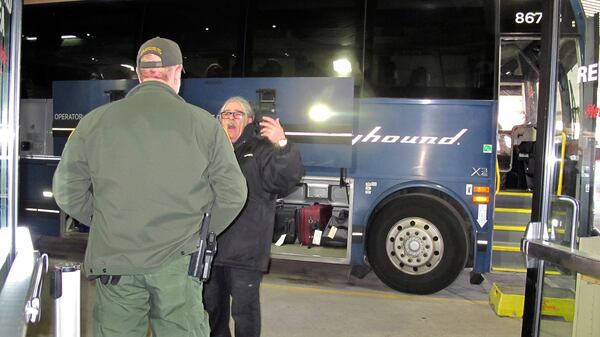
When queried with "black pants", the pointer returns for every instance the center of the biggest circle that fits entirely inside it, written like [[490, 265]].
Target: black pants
[[243, 287]]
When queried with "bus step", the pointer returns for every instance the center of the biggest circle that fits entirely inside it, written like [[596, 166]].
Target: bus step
[[513, 199], [513, 247], [508, 233], [512, 216], [508, 300], [514, 233], [507, 256]]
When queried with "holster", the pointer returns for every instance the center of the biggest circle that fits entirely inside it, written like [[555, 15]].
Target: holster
[[201, 260]]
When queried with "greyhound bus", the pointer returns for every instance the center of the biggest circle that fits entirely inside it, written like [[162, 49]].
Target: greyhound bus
[[408, 114]]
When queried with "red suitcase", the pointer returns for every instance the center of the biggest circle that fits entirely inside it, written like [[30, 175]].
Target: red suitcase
[[311, 218]]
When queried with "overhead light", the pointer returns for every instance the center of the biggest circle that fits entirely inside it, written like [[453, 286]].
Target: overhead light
[[42, 210], [206, 29], [274, 26], [88, 34], [128, 67], [31, 38], [47, 194], [68, 37], [342, 66], [320, 112]]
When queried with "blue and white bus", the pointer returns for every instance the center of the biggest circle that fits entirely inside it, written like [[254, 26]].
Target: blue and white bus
[[400, 109]]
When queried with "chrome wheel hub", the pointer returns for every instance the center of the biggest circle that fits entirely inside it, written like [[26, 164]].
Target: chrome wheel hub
[[415, 246]]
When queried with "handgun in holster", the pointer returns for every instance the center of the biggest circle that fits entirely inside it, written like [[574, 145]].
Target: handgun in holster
[[201, 260]]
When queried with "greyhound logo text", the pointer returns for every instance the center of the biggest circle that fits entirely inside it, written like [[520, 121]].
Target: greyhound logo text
[[374, 137]]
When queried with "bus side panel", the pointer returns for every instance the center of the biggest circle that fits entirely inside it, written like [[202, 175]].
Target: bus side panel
[[422, 139], [74, 99], [292, 100], [440, 143]]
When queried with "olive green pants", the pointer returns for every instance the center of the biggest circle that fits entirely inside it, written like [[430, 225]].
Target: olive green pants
[[169, 299]]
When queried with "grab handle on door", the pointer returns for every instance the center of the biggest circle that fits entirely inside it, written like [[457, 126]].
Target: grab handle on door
[[575, 218]]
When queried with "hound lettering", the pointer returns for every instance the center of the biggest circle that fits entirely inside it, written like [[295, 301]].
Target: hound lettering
[[373, 137]]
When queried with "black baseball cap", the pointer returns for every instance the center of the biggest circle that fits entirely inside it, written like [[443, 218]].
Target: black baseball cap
[[167, 50]]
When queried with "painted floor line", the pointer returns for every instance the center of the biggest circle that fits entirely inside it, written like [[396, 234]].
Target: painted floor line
[[370, 294]]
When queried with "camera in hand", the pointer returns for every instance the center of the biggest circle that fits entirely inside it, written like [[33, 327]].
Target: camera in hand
[[266, 103]]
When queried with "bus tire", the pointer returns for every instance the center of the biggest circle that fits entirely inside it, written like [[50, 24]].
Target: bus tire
[[417, 244]]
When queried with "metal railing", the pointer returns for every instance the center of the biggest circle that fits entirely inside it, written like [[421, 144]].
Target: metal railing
[[567, 257]]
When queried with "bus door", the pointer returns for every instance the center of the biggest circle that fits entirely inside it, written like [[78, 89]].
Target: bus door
[[518, 107], [519, 85]]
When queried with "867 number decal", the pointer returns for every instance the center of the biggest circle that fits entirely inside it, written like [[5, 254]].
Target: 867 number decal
[[528, 18]]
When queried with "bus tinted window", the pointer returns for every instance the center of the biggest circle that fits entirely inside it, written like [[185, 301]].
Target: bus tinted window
[[430, 49], [210, 34], [82, 41], [433, 49], [309, 38], [76, 42]]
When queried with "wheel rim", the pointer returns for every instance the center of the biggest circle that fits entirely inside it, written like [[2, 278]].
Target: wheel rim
[[414, 245]]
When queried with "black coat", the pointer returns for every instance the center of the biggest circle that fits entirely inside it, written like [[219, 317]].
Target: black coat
[[270, 171]]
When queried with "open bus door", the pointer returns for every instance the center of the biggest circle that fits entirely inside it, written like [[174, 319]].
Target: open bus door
[[518, 133]]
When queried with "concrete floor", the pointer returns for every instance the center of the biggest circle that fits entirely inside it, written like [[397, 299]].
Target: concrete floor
[[312, 299]]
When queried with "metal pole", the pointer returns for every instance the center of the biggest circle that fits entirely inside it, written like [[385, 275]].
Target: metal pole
[[65, 290], [12, 121], [544, 169]]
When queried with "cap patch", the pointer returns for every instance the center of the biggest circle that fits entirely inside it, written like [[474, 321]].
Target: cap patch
[[149, 49]]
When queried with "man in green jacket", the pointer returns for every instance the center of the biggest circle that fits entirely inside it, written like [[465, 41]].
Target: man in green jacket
[[141, 172]]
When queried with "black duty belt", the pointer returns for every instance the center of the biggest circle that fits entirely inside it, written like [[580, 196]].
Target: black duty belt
[[105, 279]]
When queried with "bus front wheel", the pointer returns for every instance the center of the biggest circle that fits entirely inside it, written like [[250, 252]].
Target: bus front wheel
[[417, 244]]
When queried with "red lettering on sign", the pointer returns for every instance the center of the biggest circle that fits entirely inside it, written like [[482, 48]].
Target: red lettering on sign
[[3, 57], [592, 111]]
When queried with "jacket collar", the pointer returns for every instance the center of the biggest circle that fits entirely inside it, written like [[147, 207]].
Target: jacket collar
[[149, 85], [250, 131]]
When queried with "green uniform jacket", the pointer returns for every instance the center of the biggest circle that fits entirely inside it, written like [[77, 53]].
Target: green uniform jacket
[[141, 172]]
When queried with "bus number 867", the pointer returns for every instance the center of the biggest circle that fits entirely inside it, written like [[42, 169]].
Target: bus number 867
[[528, 18]]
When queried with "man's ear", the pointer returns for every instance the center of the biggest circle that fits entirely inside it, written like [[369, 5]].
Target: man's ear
[[178, 70]]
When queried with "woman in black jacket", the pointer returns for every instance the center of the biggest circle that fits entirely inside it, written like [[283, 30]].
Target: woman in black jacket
[[272, 166]]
